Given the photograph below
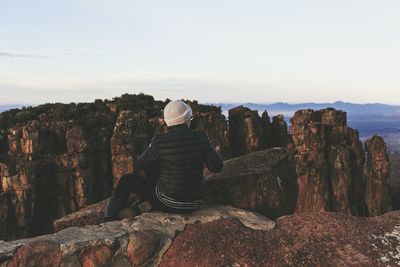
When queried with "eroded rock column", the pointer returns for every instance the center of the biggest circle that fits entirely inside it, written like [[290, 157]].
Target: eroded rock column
[[329, 162], [377, 194]]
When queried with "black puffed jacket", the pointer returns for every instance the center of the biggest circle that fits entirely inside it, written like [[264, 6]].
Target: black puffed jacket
[[180, 155]]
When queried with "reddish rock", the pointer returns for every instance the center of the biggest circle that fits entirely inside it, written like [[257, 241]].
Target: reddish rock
[[267, 131], [49, 172], [248, 132], [307, 239], [245, 131], [263, 181], [90, 215], [279, 132], [4, 205], [394, 181], [311, 163], [329, 162], [61, 158], [357, 187], [129, 139], [30, 138], [96, 256], [131, 242], [76, 140], [40, 253], [377, 194], [20, 198], [142, 246], [210, 120]]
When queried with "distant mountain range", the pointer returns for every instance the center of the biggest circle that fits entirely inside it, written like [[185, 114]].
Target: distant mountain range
[[374, 109], [289, 109]]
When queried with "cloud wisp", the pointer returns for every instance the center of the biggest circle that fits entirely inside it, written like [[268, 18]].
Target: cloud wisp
[[22, 55], [40, 56]]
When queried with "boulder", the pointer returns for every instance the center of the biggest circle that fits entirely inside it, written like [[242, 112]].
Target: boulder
[[90, 215], [263, 181]]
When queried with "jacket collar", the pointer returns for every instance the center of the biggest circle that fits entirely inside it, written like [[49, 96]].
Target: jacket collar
[[178, 127]]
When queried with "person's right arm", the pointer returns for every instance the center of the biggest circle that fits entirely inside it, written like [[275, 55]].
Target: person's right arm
[[213, 160]]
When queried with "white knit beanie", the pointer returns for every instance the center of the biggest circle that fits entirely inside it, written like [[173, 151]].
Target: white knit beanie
[[177, 112]]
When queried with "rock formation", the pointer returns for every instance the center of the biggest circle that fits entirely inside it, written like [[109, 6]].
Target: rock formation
[[329, 162], [394, 181], [211, 120], [56, 159], [279, 133], [49, 172], [130, 138], [263, 181], [248, 132], [378, 197]]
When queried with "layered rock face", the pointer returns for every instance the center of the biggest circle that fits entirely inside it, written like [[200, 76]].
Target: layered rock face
[[50, 171], [377, 175], [329, 162]]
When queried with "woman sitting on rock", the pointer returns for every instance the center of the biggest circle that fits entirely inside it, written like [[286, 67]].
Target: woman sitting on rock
[[173, 163]]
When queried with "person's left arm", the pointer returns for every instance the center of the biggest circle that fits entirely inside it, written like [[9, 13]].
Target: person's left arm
[[149, 158]]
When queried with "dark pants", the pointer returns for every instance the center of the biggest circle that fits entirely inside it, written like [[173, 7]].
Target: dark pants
[[144, 188]]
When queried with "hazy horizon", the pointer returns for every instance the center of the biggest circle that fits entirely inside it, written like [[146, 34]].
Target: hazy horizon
[[211, 51], [206, 102]]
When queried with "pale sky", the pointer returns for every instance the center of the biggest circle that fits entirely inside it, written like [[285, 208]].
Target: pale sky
[[209, 50]]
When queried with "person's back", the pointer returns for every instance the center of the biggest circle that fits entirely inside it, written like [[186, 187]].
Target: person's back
[[179, 157]]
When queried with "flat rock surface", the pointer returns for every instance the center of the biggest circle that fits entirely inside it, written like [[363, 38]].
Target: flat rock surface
[[307, 239], [217, 236], [130, 242]]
